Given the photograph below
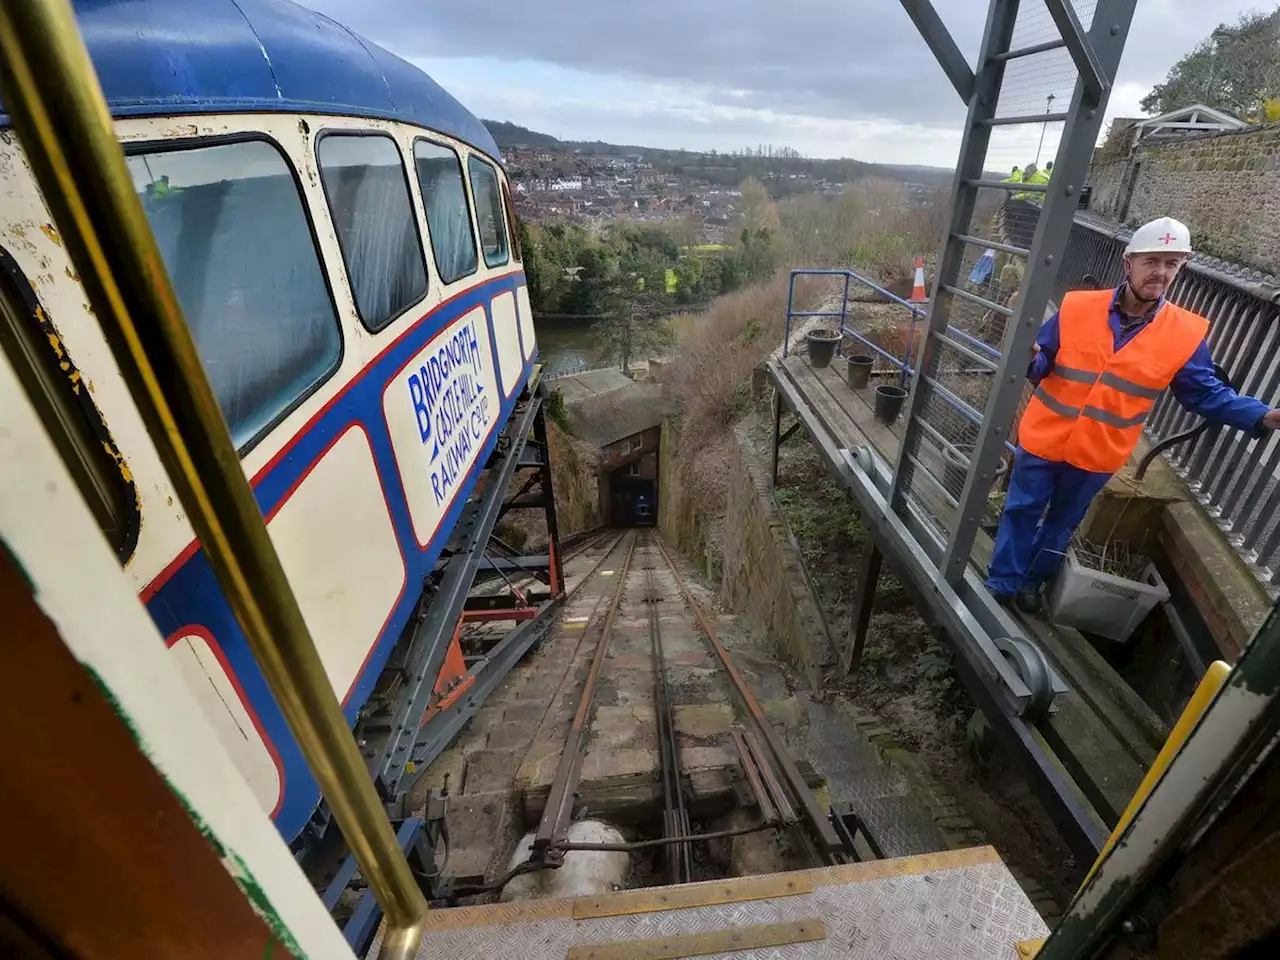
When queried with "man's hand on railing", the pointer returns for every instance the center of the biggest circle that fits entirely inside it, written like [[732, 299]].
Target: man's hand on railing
[[1271, 419]]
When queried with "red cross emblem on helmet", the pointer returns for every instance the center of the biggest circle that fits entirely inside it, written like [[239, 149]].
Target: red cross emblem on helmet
[[1167, 239]]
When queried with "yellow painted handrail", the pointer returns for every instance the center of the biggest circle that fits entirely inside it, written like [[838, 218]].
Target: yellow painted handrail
[[52, 93], [1205, 691]]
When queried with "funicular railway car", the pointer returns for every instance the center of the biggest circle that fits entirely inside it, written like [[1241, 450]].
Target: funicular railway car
[[340, 234]]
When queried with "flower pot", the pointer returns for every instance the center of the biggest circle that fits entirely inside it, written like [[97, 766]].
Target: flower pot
[[860, 370], [889, 403], [956, 460], [822, 347]]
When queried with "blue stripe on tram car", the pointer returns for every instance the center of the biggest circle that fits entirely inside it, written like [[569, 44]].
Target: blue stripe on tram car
[[170, 58], [188, 595]]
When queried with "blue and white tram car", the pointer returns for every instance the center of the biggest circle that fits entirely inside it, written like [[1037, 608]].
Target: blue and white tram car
[[340, 233]]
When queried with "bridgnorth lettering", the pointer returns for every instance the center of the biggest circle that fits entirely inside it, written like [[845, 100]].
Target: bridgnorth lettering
[[452, 407]]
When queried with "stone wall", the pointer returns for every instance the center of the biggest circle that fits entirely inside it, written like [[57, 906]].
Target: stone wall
[[1107, 180], [682, 524], [751, 554], [1226, 187], [764, 577]]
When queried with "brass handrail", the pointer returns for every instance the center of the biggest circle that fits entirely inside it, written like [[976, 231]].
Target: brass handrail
[[52, 93]]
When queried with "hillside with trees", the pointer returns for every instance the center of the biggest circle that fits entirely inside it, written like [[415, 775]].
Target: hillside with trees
[[728, 169]]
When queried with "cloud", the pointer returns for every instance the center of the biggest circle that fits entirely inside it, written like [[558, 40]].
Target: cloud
[[827, 58], [829, 77]]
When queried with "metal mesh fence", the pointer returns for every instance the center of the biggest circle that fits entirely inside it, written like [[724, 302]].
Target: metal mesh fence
[[1235, 476], [975, 309]]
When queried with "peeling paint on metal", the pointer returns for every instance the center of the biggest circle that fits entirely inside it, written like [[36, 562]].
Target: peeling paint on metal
[[51, 232], [96, 419]]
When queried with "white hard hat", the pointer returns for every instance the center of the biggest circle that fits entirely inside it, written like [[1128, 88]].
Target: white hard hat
[[1161, 235]]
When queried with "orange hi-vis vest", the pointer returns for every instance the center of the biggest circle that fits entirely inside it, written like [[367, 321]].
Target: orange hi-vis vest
[[1089, 410]]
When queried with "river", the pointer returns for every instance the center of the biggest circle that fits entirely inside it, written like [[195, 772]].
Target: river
[[566, 345]]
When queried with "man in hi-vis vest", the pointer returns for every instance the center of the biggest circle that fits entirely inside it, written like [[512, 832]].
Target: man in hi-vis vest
[[1100, 363]]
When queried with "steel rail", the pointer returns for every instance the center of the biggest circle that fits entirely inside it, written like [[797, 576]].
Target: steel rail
[[433, 738], [65, 128], [830, 844], [675, 817], [555, 814]]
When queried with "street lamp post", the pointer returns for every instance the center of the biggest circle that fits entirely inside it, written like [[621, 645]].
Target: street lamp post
[[1044, 126]]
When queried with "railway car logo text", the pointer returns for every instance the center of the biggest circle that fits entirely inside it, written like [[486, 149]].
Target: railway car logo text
[[452, 407]]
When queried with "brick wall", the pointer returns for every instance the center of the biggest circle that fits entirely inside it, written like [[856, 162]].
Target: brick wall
[[1226, 187]]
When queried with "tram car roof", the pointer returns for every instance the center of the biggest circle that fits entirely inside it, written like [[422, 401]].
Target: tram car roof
[[174, 57]]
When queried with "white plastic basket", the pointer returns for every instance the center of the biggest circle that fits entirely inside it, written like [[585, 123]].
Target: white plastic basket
[[1101, 603]]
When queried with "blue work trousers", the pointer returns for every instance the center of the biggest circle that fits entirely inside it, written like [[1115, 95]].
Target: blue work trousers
[[1046, 502]]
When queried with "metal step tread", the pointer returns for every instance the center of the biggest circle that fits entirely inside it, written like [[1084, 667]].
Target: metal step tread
[[956, 904]]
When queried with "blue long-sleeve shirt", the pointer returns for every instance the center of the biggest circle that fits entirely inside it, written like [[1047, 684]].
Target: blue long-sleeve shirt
[[1195, 386]]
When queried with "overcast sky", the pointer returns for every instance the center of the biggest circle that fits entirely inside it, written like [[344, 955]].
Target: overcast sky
[[828, 77]]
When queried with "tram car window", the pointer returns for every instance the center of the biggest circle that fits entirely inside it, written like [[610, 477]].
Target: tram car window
[[235, 238], [368, 195], [488, 201], [448, 217]]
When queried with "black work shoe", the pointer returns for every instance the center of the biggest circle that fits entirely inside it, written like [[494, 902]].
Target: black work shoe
[[1005, 600], [1028, 600]]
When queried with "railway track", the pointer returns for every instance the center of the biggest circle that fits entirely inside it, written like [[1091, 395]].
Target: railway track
[[649, 612]]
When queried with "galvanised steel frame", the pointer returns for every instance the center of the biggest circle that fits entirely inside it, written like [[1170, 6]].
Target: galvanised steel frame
[[1009, 676]]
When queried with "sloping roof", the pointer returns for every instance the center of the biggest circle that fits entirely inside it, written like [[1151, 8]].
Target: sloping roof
[[1184, 121], [164, 57], [603, 418]]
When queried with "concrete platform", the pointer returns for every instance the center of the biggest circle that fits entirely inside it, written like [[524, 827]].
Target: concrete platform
[[953, 905]]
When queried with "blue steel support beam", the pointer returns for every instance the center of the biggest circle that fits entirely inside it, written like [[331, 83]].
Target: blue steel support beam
[[939, 39]]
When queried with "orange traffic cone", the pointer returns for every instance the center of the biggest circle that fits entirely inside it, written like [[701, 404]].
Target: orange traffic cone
[[918, 294]]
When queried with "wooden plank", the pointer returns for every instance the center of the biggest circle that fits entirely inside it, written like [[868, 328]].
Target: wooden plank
[[694, 895], [860, 405], [834, 418], [703, 944]]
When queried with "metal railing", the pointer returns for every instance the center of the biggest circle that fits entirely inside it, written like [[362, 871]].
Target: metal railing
[[63, 123], [1235, 476], [562, 370], [901, 364], [979, 358]]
